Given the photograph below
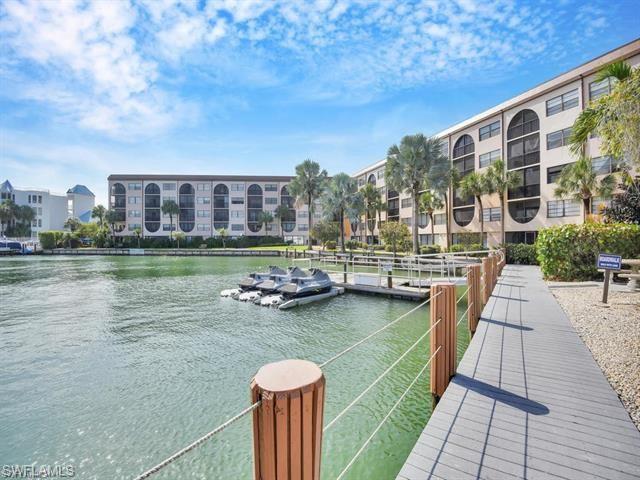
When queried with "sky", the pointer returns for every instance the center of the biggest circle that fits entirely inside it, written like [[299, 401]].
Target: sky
[[90, 88]]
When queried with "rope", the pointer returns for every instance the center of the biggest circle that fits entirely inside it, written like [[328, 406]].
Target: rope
[[346, 350], [464, 313], [463, 295], [193, 445], [355, 457], [375, 382]]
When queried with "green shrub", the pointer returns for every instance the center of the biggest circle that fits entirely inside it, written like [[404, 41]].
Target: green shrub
[[429, 249], [330, 245], [458, 247], [351, 244], [49, 239], [521, 254], [569, 252]]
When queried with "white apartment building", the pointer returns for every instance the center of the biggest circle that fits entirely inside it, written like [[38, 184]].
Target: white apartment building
[[51, 209], [530, 132]]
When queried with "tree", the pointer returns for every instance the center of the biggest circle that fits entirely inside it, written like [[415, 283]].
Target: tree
[[429, 202], [8, 211], [395, 234], [500, 182], [476, 185], [224, 233], [111, 217], [580, 182], [72, 224], [614, 117], [171, 208], [338, 200], [379, 206], [179, 236], [413, 165], [308, 185], [25, 215], [137, 232], [264, 219], [625, 207], [325, 231], [282, 213], [371, 196], [99, 212]]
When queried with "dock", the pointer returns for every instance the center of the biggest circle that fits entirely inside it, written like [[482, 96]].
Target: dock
[[528, 400]]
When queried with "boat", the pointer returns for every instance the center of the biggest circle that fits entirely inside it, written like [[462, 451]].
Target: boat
[[277, 281], [315, 283], [254, 279]]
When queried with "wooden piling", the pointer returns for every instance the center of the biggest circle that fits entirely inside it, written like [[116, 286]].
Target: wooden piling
[[474, 296], [287, 426], [443, 337], [486, 282]]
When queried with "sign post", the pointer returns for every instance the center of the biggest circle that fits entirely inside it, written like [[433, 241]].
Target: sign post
[[608, 263]]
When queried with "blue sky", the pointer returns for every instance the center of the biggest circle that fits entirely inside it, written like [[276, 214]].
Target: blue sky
[[235, 87]]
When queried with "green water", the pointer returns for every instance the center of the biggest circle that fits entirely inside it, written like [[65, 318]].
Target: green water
[[112, 364]]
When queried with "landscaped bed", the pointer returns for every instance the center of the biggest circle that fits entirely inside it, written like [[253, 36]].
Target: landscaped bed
[[612, 335]]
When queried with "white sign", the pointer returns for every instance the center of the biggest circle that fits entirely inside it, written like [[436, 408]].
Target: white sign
[[387, 267], [136, 251]]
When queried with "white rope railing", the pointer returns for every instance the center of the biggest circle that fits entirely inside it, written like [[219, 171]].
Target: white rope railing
[[199, 441], [464, 314], [347, 350], [463, 295], [368, 440], [380, 377]]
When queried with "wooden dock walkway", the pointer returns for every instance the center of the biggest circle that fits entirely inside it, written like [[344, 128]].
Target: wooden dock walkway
[[528, 401]]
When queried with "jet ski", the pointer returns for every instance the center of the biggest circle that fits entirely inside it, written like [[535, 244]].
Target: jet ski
[[254, 279], [277, 280], [316, 282]]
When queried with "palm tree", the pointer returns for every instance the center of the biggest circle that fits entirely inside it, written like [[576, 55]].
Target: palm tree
[[500, 182], [340, 199], [580, 182], [379, 206], [179, 238], [476, 184], [223, 236], [72, 224], [137, 232], [416, 162], [264, 219], [8, 210], [99, 212], [308, 185], [429, 202], [282, 213], [111, 217], [171, 208], [370, 196], [25, 215]]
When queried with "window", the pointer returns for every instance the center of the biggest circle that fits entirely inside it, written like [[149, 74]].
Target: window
[[237, 201], [237, 214], [135, 200], [405, 203], [237, 187], [490, 130], [361, 181], [135, 186], [203, 187], [168, 186], [135, 213], [487, 159], [167, 198], [562, 208], [558, 139], [204, 201], [562, 102], [524, 151], [423, 220], [202, 227], [463, 216], [554, 172], [204, 214], [599, 89], [237, 227], [439, 219], [605, 165], [39, 222], [167, 227], [271, 201], [598, 203], [428, 239], [380, 174], [528, 184], [464, 146], [303, 227], [523, 123], [491, 214], [133, 226], [523, 211], [521, 237], [270, 187], [254, 207], [39, 198], [186, 202]]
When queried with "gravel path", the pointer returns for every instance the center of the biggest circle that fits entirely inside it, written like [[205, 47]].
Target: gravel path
[[612, 334]]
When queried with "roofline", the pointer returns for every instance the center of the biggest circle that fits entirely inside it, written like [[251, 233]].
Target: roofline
[[378, 164], [220, 178]]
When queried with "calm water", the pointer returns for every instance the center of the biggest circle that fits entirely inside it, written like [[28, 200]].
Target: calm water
[[112, 364]]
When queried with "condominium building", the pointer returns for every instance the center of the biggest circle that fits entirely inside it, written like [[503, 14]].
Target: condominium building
[[208, 203], [530, 132], [51, 209]]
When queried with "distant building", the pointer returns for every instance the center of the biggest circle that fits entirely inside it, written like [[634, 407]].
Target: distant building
[[51, 209]]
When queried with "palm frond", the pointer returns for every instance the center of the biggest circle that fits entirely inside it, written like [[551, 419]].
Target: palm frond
[[619, 70]]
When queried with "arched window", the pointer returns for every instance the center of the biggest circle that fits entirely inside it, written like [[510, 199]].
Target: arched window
[[464, 146], [254, 207], [221, 207], [152, 214], [463, 216], [119, 203], [423, 220], [464, 162], [289, 221], [187, 202], [523, 157], [372, 179]]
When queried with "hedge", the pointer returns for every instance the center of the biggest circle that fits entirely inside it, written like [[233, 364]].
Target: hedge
[[569, 252], [51, 239], [521, 254]]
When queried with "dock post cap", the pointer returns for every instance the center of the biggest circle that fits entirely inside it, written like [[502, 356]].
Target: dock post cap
[[287, 375]]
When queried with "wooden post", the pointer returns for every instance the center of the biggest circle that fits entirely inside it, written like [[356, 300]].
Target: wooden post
[[475, 295], [389, 280], [443, 336], [486, 283], [287, 426], [344, 270]]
